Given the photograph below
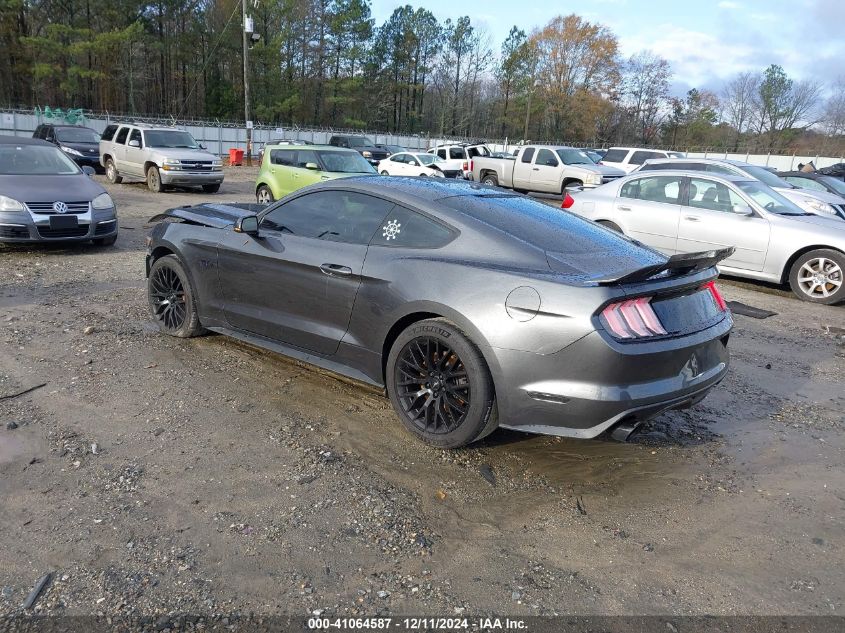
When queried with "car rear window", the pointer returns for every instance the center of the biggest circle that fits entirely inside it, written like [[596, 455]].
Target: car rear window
[[615, 156], [108, 133]]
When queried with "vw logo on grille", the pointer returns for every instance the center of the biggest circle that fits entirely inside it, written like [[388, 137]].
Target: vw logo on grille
[[60, 207]]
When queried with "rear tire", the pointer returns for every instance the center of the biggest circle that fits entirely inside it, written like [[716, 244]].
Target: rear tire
[[172, 299], [819, 277], [211, 188], [264, 195], [111, 173], [440, 385], [610, 225], [490, 179], [154, 179]]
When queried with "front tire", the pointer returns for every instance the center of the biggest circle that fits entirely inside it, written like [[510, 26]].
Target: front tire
[[264, 195], [570, 186], [819, 276], [211, 188], [440, 385], [111, 173], [172, 299], [154, 179]]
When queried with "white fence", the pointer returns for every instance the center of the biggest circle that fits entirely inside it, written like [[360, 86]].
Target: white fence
[[219, 137]]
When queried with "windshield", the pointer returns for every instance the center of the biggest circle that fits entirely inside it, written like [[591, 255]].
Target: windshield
[[31, 160], [345, 163], [767, 177], [770, 200], [837, 185], [575, 157], [77, 135], [360, 141], [428, 159], [169, 138]]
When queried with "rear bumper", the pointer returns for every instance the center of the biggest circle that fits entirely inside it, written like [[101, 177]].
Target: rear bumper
[[191, 178], [591, 385]]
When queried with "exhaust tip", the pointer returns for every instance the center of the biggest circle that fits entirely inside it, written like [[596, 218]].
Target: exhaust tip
[[622, 431]]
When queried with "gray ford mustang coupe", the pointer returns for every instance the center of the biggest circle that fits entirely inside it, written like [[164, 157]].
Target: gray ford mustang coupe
[[471, 306]]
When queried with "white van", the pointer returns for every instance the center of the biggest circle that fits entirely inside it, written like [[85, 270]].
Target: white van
[[629, 158]]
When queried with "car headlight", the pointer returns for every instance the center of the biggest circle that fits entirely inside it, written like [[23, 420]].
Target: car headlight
[[171, 164], [367, 154], [820, 207], [10, 204], [70, 150], [593, 179], [103, 201]]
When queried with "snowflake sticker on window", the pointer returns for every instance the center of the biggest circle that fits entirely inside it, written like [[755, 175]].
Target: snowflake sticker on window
[[391, 230]]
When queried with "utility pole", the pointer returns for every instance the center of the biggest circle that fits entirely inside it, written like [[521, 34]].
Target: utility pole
[[246, 40]]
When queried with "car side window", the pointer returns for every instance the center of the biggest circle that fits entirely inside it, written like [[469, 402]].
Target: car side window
[[398, 158], [39, 132], [120, 139], [638, 158], [282, 157], [108, 133], [135, 135], [708, 194], [546, 157], [457, 153], [335, 216], [442, 153], [527, 155], [666, 189], [305, 156], [409, 229], [805, 183]]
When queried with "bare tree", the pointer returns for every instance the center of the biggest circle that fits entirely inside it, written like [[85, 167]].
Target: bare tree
[[833, 119], [739, 98], [645, 85]]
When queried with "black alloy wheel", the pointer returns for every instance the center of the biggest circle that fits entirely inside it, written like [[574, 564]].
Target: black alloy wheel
[[171, 298]]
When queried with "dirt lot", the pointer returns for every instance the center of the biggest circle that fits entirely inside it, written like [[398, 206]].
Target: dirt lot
[[153, 475]]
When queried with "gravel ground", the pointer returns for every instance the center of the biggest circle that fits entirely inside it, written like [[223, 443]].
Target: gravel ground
[[154, 476]]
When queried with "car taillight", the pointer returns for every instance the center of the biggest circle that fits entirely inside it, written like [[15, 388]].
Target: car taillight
[[466, 166], [632, 319], [717, 296], [568, 201], [471, 165]]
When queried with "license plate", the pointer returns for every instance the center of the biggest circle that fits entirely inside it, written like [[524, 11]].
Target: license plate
[[63, 222]]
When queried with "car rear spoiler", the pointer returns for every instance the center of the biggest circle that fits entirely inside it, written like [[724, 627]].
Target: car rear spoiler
[[680, 264], [214, 215]]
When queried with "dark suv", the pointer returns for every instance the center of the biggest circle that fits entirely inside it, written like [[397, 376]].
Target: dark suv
[[362, 145], [80, 144]]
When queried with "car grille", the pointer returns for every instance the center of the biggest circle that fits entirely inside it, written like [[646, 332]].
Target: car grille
[[47, 207], [14, 231], [104, 227], [79, 231], [196, 165]]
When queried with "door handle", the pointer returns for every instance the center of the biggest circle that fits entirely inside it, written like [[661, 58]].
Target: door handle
[[623, 208], [691, 218], [536, 169], [336, 270]]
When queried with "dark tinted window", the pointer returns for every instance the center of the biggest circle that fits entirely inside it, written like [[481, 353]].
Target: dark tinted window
[[615, 156], [546, 157], [282, 156], [657, 166], [527, 155], [653, 188], [638, 158], [108, 133], [136, 136], [409, 229], [39, 132], [337, 216], [457, 153], [120, 139], [713, 169], [441, 153]]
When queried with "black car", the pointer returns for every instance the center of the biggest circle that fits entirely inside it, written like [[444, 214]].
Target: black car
[[81, 144], [473, 307], [391, 149], [362, 145], [815, 181]]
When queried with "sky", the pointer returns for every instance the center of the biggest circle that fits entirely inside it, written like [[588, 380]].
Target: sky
[[706, 41]]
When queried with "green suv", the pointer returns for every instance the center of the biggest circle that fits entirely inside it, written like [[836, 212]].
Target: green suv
[[286, 168]]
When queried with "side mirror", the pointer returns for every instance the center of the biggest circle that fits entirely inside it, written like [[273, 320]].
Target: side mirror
[[742, 209], [88, 170], [248, 225], [202, 146], [313, 166], [134, 144]]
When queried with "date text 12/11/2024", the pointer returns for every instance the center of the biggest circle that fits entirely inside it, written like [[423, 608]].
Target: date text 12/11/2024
[[417, 624]]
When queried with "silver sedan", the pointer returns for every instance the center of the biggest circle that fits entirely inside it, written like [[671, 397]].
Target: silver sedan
[[679, 212]]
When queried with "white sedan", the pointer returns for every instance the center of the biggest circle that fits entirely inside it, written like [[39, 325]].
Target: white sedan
[[413, 164]]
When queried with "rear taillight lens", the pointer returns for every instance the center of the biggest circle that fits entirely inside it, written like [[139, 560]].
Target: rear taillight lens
[[568, 201], [466, 166], [632, 319], [471, 165], [717, 296]]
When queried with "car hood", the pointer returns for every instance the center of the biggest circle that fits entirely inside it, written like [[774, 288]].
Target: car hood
[[183, 154], [806, 194], [40, 188], [217, 216], [826, 223]]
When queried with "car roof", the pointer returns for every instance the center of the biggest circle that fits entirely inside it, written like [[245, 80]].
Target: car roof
[[714, 161], [23, 140], [415, 189], [333, 148], [690, 172]]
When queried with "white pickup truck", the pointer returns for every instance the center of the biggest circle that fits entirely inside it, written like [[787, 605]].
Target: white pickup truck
[[545, 169]]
